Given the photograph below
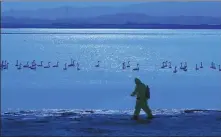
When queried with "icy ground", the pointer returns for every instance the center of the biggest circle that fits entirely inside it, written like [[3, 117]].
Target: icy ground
[[110, 122]]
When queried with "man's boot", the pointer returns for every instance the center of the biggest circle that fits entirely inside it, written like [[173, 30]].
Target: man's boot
[[134, 117]]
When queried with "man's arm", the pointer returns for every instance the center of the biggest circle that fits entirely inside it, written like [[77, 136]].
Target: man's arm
[[135, 92]]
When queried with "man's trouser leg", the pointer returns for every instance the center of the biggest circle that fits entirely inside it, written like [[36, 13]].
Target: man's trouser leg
[[146, 109], [137, 108]]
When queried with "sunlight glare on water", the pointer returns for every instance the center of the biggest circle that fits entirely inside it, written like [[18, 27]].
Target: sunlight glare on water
[[109, 84]]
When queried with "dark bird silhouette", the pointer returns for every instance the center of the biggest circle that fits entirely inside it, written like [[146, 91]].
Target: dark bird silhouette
[[137, 68]]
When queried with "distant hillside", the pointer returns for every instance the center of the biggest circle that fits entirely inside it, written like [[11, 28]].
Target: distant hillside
[[210, 9], [138, 18], [136, 15], [117, 19]]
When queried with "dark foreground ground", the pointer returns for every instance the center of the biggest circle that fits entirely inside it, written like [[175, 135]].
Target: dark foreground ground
[[110, 122]]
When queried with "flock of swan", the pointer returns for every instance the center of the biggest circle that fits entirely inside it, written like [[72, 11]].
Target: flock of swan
[[166, 64], [4, 65]]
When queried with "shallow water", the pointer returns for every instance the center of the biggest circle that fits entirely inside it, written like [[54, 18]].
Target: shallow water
[[106, 90], [109, 87]]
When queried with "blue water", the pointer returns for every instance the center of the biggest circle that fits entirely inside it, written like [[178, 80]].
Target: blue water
[[108, 87]]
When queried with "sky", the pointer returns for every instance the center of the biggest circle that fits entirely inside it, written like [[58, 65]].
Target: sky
[[40, 4], [37, 5]]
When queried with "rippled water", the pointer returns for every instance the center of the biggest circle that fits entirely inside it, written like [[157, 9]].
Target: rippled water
[[109, 84], [108, 87]]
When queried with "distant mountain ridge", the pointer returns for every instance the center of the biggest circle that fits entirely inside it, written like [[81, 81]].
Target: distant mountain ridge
[[171, 14], [120, 18], [211, 9]]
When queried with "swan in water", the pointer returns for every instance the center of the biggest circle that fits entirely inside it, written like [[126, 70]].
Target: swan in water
[[78, 66], [197, 67], [26, 66], [19, 66], [65, 66], [6, 65], [181, 65], [128, 64], [201, 64], [185, 67], [56, 65], [123, 65], [5, 62], [98, 64], [163, 65], [70, 65], [175, 70], [170, 65], [48, 65], [213, 66], [40, 64], [33, 63], [1, 64], [137, 68], [166, 63], [33, 67], [16, 63]]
